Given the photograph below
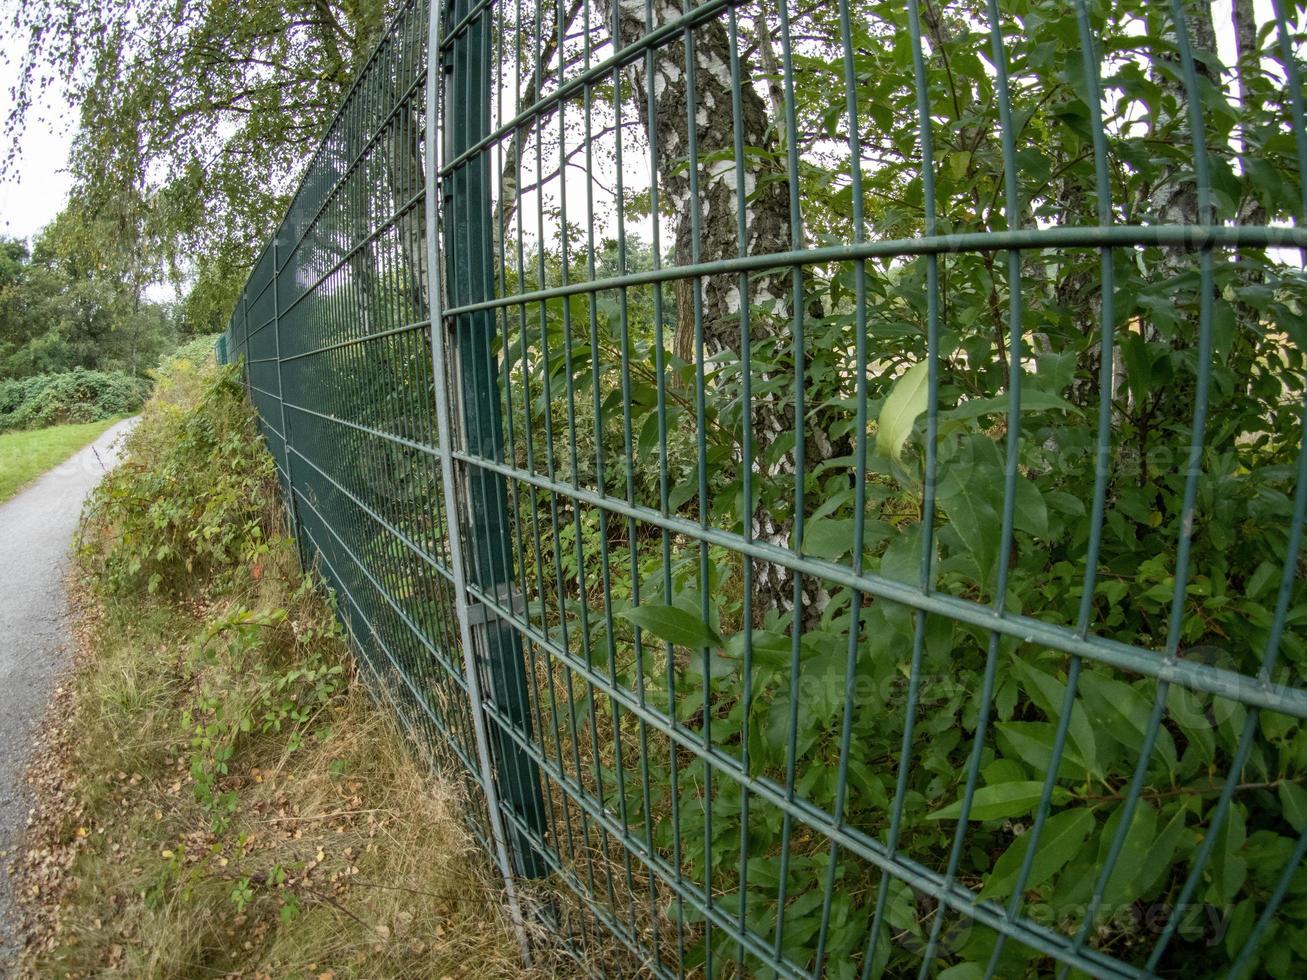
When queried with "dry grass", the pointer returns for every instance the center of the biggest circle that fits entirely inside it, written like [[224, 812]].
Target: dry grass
[[343, 857], [203, 807]]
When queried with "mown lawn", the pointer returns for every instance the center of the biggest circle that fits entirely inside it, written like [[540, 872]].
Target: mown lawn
[[26, 455]]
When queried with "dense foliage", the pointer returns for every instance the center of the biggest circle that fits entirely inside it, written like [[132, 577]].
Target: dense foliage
[[1142, 492], [56, 313], [199, 351], [197, 501], [71, 396], [596, 398]]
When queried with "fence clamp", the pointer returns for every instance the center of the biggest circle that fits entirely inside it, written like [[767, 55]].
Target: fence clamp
[[480, 614]]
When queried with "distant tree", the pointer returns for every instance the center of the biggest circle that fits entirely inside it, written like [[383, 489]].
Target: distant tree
[[57, 314]]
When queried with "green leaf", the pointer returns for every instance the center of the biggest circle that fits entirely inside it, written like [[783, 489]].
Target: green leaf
[[1032, 400], [1229, 868], [1123, 888], [832, 538], [967, 499], [956, 163], [1120, 711], [680, 494], [828, 538], [719, 666], [1030, 513], [1188, 709], [1032, 743], [1261, 578], [1011, 799], [673, 625], [1062, 837], [1157, 863], [905, 402], [1047, 693], [1241, 924], [768, 648], [1293, 801], [1138, 356]]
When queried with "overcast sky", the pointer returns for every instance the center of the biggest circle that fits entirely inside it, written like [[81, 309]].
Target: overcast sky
[[31, 198]]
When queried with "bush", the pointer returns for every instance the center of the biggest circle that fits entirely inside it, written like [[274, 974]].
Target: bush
[[69, 397], [193, 494], [197, 350]]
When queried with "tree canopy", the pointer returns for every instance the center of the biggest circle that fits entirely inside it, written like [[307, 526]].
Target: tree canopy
[[194, 120], [56, 315]]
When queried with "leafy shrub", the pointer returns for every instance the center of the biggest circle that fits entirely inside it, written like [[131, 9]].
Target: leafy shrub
[[193, 494], [198, 350], [840, 695], [71, 396]]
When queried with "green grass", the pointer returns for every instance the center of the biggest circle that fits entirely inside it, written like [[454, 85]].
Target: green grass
[[26, 455]]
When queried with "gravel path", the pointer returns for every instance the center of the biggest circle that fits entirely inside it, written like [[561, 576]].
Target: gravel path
[[36, 528]]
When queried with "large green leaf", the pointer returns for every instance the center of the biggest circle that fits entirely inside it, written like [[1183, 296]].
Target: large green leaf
[[1032, 400], [1048, 692], [1030, 514], [905, 402], [1293, 803], [828, 537], [1121, 712], [1124, 885], [768, 648], [1013, 799], [968, 498], [1062, 837], [673, 625], [1032, 743], [1229, 868], [832, 538]]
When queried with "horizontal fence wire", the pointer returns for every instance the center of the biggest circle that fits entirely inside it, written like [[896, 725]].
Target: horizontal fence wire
[[830, 477]]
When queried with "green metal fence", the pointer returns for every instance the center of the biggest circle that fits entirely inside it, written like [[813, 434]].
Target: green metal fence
[[830, 475]]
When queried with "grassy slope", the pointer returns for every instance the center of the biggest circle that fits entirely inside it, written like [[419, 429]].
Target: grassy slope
[[26, 455], [217, 795]]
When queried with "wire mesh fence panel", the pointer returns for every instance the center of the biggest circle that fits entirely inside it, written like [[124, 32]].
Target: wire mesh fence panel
[[866, 533], [334, 330]]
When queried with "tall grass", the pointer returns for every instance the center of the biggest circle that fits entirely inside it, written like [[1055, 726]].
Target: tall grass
[[217, 795]]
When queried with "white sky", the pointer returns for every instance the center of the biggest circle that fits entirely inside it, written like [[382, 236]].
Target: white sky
[[38, 188]]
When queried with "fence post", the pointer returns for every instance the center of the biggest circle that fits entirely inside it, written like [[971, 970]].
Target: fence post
[[292, 508], [245, 343], [469, 272], [444, 363]]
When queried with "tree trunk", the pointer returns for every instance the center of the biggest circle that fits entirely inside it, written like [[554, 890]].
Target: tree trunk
[[767, 230], [406, 178], [510, 162], [1246, 58], [1251, 209], [404, 162], [767, 216], [1170, 199]]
